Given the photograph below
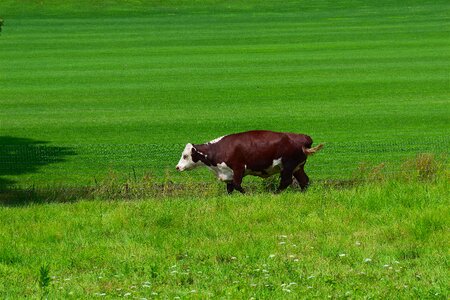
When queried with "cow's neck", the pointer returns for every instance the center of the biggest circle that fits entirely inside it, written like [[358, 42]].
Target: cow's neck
[[203, 154]]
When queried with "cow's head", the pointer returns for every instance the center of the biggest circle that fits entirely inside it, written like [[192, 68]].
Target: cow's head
[[189, 158]]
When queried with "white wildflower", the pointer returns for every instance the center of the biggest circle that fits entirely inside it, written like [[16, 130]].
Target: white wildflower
[[342, 255], [271, 255], [367, 260]]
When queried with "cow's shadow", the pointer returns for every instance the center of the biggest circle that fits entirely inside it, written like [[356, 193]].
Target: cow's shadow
[[20, 156]]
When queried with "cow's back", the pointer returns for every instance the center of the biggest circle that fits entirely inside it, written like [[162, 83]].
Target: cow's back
[[257, 149]]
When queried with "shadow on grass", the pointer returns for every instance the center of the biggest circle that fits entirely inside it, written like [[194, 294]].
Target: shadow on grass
[[19, 156]]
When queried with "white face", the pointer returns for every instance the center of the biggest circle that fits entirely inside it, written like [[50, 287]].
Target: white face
[[186, 162]]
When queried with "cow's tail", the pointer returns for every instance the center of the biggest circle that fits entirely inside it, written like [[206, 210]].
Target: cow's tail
[[311, 151]]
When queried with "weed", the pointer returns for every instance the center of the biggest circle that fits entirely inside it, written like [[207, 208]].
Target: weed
[[424, 166], [44, 280]]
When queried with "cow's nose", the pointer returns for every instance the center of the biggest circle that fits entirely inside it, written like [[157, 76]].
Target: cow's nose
[[178, 168]]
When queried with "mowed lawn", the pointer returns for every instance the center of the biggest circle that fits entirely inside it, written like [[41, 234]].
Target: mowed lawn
[[89, 85]]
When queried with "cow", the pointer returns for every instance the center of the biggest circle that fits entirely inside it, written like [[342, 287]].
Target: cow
[[260, 153]]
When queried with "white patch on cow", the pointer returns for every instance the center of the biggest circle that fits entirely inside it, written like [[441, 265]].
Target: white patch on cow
[[222, 172], [186, 162], [275, 168], [215, 140], [277, 163]]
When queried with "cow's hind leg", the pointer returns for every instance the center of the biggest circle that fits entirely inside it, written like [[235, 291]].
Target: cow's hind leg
[[302, 178], [286, 180]]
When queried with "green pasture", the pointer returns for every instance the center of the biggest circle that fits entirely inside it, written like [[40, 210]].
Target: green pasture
[[89, 87]]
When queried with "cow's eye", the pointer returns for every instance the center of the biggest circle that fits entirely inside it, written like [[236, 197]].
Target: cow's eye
[[185, 156]]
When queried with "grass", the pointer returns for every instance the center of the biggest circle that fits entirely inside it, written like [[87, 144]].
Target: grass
[[127, 85], [373, 240], [98, 99]]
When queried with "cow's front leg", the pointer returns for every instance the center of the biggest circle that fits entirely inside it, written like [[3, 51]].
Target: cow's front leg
[[238, 174], [286, 180], [230, 187]]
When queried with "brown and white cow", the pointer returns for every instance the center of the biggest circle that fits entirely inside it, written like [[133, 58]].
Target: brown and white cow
[[260, 153]]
